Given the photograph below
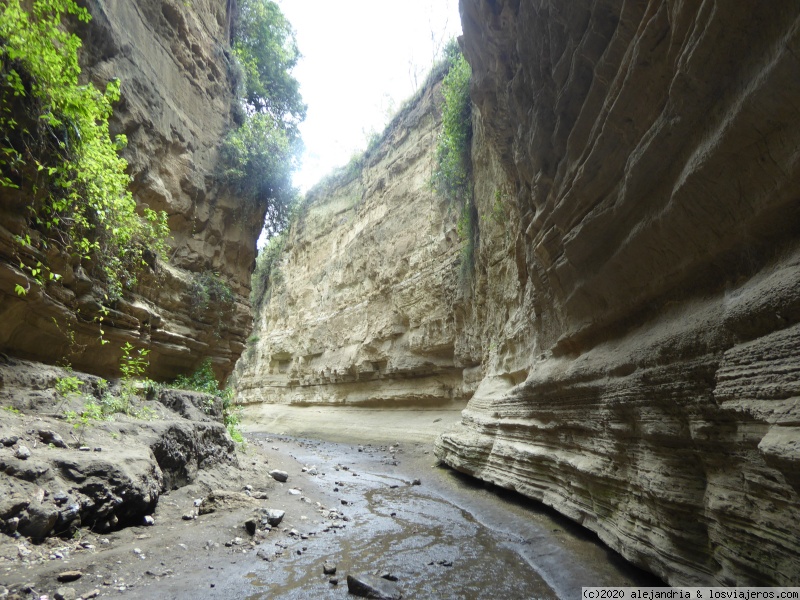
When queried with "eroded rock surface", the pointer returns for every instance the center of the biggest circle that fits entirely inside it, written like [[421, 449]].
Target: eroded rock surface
[[174, 63], [650, 150], [633, 319], [93, 473], [361, 310]]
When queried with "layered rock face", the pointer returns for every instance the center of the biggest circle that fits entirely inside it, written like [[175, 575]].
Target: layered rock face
[[174, 64], [642, 374], [361, 309]]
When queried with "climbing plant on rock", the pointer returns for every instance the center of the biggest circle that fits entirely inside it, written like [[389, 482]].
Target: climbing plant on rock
[[452, 176], [57, 153]]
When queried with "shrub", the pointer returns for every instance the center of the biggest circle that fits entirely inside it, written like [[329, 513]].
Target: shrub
[[207, 288], [452, 175], [57, 150], [267, 273], [204, 380]]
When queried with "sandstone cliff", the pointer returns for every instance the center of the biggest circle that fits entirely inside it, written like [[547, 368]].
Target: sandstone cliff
[[634, 314], [644, 377], [360, 311], [177, 95]]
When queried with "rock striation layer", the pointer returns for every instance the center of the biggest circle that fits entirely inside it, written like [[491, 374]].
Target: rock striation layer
[[359, 311], [59, 476], [173, 60], [632, 324], [645, 380]]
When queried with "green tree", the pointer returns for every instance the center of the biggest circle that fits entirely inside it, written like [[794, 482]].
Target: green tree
[[264, 42], [262, 154]]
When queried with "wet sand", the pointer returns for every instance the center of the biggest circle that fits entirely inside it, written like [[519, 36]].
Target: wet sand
[[350, 499], [513, 547]]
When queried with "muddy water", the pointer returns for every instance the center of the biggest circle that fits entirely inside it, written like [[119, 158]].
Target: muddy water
[[435, 548], [447, 538]]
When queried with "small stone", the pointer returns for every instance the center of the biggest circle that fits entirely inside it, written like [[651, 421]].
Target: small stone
[[295, 492], [23, 453], [148, 521], [65, 593], [188, 517], [251, 526], [368, 586], [312, 471], [273, 516], [333, 581], [248, 488], [51, 437], [11, 525], [328, 569], [67, 576], [278, 475], [137, 551], [345, 502], [9, 440], [388, 576], [93, 594], [416, 482], [85, 449], [98, 449]]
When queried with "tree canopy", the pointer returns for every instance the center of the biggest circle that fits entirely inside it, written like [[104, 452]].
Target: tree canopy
[[265, 45], [263, 152]]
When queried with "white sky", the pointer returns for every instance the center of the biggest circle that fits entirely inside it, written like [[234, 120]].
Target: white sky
[[361, 59]]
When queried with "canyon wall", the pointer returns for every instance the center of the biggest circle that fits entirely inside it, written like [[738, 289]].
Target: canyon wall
[[173, 60], [360, 308], [631, 327], [645, 382]]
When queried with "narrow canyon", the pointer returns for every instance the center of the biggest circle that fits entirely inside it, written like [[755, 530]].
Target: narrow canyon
[[601, 333]]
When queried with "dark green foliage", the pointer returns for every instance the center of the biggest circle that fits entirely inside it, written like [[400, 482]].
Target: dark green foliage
[[204, 380], [209, 288], [467, 229], [261, 155], [452, 176], [266, 273], [55, 148], [265, 45]]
